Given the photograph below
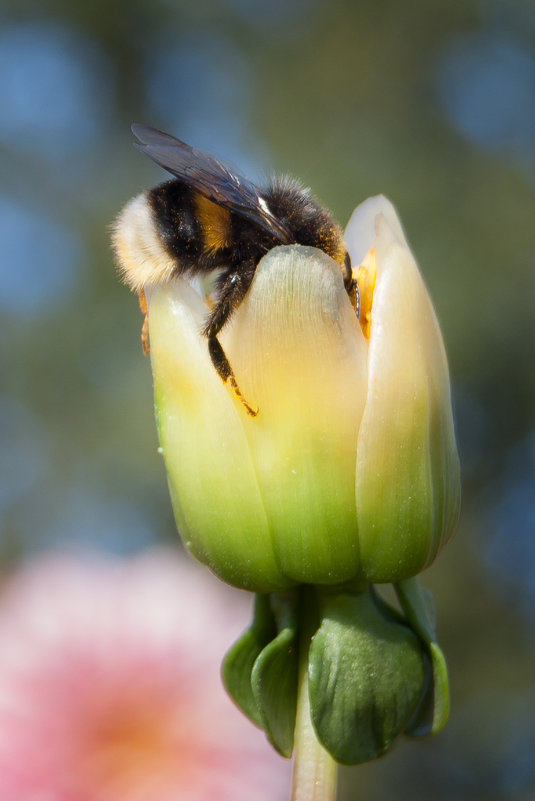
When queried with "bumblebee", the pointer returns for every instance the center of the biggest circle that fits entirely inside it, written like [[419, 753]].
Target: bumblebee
[[209, 218]]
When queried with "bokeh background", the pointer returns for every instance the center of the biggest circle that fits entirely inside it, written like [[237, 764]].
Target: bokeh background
[[431, 103]]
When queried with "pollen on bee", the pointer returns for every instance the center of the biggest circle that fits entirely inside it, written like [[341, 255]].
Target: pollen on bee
[[366, 276]]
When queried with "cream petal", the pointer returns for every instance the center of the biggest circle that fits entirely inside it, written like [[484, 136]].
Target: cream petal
[[216, 499], [407, 463], [300, 356], [362, 232]]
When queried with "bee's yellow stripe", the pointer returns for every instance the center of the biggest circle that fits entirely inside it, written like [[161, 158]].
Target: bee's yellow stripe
[[215, 223]]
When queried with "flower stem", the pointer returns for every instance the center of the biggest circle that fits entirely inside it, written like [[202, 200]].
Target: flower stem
[[315, 771]]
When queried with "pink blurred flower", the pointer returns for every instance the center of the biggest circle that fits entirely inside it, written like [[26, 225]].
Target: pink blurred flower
[[110, 688]]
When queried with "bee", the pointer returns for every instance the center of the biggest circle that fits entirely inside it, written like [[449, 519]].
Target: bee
[[210, 219]]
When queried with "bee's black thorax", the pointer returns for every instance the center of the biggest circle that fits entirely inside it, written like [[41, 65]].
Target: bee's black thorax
[[308, 221]]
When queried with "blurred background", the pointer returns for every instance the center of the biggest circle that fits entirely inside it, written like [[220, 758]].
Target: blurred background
[[432, 104]]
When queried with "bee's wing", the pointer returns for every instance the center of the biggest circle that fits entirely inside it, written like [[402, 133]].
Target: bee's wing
[[209, 176]]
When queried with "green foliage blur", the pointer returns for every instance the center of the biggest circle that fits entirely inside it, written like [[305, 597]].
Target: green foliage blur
[[430, 103]]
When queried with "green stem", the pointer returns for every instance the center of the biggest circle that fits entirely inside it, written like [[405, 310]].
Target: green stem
[[315, 771]]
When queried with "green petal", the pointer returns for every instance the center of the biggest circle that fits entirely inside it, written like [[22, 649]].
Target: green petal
[[300, 357], [214, 490]]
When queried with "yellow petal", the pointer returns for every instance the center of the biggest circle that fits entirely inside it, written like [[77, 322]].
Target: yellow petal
[[299, 355]]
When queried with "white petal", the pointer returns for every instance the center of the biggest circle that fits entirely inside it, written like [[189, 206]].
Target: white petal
[[407, 469], [213, 485]]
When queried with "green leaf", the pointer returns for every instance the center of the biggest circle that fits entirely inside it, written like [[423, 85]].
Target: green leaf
[[419, 609], [239, 661], [441, 695], [366, 678], [274, 683]]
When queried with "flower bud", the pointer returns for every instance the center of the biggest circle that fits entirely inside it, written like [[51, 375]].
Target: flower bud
[[350, 470]]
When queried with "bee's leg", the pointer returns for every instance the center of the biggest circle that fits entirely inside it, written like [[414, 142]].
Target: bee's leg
[[232, 291], [222, 365], [145, 344], [351, 286]]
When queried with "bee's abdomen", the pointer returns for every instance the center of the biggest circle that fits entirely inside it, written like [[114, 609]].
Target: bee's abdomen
[[177, 223], [139, 249]]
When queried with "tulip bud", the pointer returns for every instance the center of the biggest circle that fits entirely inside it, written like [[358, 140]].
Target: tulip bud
[[347, 476], [350, 469]]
